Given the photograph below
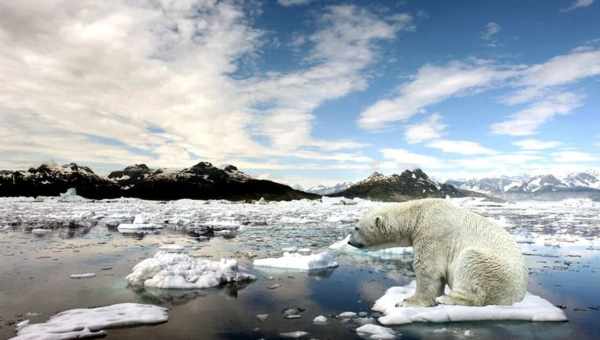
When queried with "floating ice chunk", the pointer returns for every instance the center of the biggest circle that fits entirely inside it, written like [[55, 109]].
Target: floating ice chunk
[[82, 276], [320, 320], [84, 322], [346, 315], [294, 335], [180, 271], [300, 262], [22, 324], [342, 246], [139, 225], [40, 231], [172, 248], [375, 332], [70, 196], [532, 308]]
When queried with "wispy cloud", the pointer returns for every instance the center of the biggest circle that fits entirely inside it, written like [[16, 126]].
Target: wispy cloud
[[489, 33], [536, 144], [431, 85], [527, 121], [578, 4], [156, 79], [289, 3], [462, 147], [431, 128], [537, 80]]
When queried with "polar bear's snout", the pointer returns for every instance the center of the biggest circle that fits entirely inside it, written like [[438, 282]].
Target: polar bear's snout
[[356, 239]]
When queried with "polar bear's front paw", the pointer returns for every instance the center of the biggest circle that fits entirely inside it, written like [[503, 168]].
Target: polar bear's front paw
[[446, 300], [415, 301]]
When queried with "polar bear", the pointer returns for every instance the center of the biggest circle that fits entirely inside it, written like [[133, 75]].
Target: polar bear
[[476, 258]]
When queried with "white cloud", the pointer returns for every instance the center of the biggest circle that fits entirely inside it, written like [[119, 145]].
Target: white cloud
[[536, 144], [565, 69], [573, 157], [402, 159], [101, 78], [342, 49], [430, 85], [490, 31], [527, 121], [288, 3], [462, 147], [431, 128], [578, 4]]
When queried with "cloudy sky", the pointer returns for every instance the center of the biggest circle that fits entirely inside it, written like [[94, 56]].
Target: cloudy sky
[[303, 91]]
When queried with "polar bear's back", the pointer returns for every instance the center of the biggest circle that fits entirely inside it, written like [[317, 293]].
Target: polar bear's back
[[461, 225]]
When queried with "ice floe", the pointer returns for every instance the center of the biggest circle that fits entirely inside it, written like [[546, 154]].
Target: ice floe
[[320, 320], [532, 308], [91, 322], [180, 271], [294, 334], [298, 261], [139, 225], [342, 246], [375, 332], [40, 231], [82, 276]]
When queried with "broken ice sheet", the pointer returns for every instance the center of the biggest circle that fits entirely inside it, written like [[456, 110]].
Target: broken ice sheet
[[91, 322]]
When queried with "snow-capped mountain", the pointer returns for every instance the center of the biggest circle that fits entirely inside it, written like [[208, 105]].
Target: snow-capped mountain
[[328, 190], [545, 187], [201, 181], [406, 186]]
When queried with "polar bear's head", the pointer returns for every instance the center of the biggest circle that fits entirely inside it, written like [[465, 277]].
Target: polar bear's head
[[378, 229]]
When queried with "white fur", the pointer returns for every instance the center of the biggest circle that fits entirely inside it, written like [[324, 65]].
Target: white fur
[[476, 258]]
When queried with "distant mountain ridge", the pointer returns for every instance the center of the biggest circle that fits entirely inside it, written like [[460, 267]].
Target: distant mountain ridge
[[410, 184], [328, 190], [540, 187], [201, 181]]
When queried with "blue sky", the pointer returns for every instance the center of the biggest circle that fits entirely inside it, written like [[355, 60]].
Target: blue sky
[[301, 91]]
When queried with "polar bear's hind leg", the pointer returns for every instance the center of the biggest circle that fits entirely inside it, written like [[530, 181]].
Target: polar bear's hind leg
[[480, 279]]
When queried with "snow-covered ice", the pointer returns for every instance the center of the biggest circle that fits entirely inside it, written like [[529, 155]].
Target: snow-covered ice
[[532, 308], [298, 261], [180, 271], [91, 322], [375, 332]]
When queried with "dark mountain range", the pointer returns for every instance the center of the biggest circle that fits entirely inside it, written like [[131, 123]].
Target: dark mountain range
[[201, 181], [406, 186]]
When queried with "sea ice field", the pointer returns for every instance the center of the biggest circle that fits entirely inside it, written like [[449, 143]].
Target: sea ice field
[[134, 269]]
